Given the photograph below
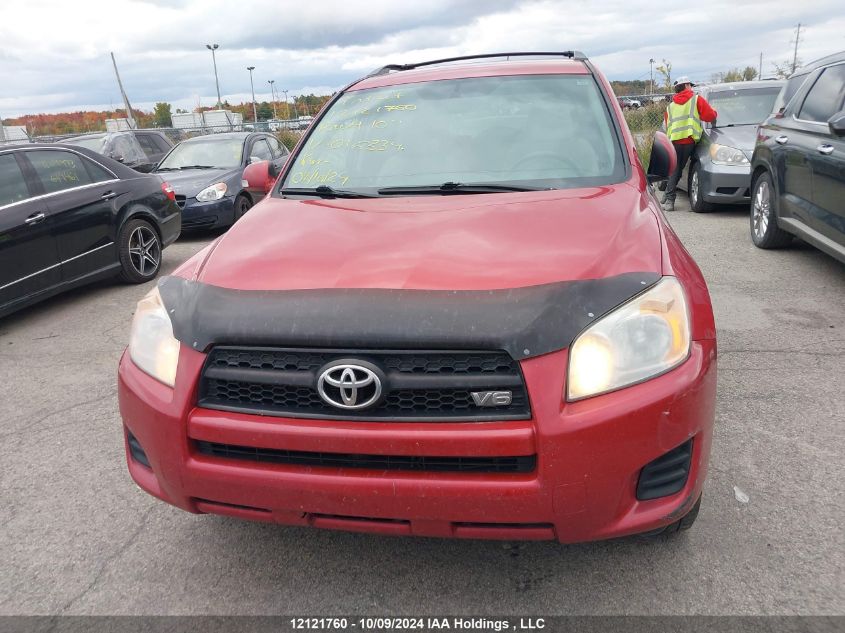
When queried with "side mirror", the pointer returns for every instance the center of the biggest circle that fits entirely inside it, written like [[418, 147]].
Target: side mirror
[[663, 159], [836, 123], [258, 176]]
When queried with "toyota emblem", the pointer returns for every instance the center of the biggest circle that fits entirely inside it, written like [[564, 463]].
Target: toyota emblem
[[349, 386]]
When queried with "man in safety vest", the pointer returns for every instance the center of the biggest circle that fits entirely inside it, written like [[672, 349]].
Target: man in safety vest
[[684, 127]]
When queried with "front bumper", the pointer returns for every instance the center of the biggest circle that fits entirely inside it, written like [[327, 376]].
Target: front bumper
[[198, 215], [725, 184], [589, 456]]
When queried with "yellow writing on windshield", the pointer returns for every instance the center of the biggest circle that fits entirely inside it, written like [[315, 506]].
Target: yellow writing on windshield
[[317, 177]]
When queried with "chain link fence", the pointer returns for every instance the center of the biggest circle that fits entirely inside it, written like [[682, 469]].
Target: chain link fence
[[643, 121]]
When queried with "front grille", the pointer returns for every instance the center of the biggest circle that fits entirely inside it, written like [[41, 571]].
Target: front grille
[[421, 386], [665, 475], [518, 464]]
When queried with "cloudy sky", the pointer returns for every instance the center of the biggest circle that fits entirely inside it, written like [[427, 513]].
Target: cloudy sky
[[54, 55]]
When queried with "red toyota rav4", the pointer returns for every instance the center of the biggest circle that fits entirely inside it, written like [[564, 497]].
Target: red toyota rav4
[[460, 312]]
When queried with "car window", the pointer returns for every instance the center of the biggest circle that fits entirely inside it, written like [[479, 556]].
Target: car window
[[97, 173], [545, 131], [743, 106], [277, 148], [149, 147], [12, 184], [58, 170], [260, 150], [826, 96], [788, 91], [205, 152], [161, 143]]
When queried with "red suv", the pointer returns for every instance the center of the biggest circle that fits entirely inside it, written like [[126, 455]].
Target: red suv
[[460, 312]]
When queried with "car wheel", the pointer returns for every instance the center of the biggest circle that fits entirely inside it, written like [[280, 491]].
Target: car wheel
[[139, 249], [242, 205], [696, 202], [765, 232]]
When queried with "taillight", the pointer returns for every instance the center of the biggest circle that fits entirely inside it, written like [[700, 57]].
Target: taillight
[[168, 191]]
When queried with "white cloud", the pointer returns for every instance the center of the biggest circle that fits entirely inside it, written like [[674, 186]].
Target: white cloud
[[64, 63]]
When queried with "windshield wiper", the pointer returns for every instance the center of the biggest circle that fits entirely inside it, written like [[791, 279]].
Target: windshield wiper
[[324, 191], [458, 187], [186, 167]]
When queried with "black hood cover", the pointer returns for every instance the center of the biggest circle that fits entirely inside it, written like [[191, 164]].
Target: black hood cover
[[525, 322]]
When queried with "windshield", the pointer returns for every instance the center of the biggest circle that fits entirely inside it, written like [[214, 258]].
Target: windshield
[[94, 143], [748, 106], [205, 152], [538, 131]]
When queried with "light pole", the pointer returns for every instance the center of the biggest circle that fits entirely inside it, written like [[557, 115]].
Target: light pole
[[295, 111], [273, 92], [251, 85], [287, 109], [651, 75], [212, 48]]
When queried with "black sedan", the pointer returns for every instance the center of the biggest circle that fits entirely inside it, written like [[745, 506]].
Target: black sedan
[[69, 216], [207, 174], [798, 166]]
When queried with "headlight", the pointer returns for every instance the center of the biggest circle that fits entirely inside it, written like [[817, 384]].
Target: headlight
[[214, 192], [724, 155], [640, 339], [151, 345]]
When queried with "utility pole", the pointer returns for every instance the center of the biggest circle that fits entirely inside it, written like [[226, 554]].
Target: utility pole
[[251, 85], [795, 54], [2, 131], [212, 48], [760, 72], [129, 117], [651, 76], [273, 92]]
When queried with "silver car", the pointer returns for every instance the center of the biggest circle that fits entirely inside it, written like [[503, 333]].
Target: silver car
[[719, 172]]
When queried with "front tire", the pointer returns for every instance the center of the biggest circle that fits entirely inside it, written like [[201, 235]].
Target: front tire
[[139, 250], [696, 201], [765, 232], [242, 205]]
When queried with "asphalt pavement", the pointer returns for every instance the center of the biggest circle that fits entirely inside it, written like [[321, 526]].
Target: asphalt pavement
[[78, 537]]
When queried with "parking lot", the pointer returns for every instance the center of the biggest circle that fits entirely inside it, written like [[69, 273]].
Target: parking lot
[[78, 537]]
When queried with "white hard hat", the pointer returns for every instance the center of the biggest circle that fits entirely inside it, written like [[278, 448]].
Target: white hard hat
[[680, 81]]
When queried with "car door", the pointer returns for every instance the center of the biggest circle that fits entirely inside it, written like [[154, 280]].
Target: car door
[[81, 198], [280, 153], [29, 260], [793, 140], [826, 156]]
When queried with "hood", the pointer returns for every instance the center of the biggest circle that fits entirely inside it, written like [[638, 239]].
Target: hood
[[683, 96], [742, 137], [455, 242], [189, 182]]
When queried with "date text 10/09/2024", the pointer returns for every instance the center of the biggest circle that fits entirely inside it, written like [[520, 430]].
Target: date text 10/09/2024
[[417, 624]]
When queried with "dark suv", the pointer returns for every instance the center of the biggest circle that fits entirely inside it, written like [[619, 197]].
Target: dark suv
[[798, 167], [139, 149]]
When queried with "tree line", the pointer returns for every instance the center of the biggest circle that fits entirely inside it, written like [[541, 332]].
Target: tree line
[[95, 121]]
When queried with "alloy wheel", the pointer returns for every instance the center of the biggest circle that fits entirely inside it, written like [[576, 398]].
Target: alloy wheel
[[693, 189], [144, 250], [761, 209]]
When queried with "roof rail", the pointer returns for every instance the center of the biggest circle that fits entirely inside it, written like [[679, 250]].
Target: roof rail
[[399, 67]]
